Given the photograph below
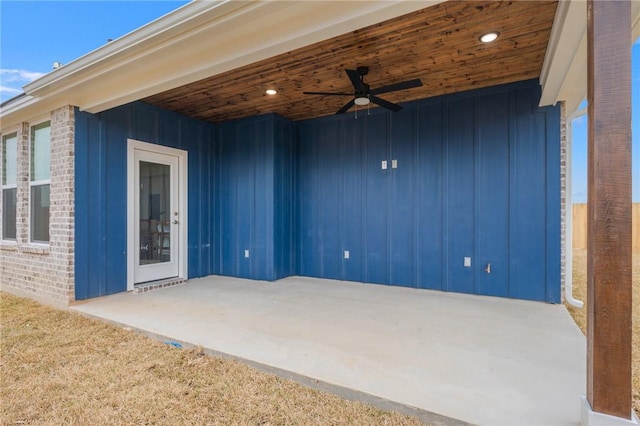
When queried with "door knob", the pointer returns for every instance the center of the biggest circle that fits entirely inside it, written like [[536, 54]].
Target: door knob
[[175, 222]]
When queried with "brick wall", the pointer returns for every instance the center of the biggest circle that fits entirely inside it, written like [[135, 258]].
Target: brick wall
[[44, 272], [563, 195]]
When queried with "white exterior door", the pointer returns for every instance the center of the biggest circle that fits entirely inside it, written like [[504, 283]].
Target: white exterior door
[[157, 213]]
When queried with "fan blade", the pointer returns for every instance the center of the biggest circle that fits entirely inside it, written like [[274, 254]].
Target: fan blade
[[346, 107], [327, 94], [385, 104], [398, 86], [354, 76]]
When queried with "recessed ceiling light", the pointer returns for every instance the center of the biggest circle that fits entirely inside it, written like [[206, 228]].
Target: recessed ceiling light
[[489, 37], [271, 91]]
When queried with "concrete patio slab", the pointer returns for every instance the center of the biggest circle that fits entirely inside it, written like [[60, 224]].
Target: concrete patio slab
[[482, 360]]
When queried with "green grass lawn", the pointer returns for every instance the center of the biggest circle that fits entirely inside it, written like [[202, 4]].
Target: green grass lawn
[[58, 367]]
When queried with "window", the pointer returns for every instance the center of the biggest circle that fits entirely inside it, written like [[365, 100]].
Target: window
[[39, 184], [9, 185]]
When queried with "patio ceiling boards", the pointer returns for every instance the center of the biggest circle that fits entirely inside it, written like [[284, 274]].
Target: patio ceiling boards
[[439, 45]]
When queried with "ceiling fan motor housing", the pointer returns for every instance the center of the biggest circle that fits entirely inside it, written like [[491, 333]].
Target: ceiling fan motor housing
[[363, 70], [363, 93], [362, 96]]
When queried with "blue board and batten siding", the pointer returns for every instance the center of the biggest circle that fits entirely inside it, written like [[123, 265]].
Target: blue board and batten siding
[[239, 194], [254, 197], [478, 176], [101, 191]]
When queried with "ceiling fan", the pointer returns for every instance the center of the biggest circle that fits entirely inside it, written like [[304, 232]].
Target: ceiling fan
[[363, 94]]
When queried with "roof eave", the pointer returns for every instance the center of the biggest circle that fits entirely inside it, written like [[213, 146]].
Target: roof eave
[[564, 71], [132, 41], [198, 40]]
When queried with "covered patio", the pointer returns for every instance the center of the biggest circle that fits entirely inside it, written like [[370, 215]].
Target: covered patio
[[465, 190], [474, 359]]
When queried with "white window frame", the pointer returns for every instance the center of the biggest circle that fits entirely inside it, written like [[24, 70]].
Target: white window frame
[[38, 183], [3, 187]]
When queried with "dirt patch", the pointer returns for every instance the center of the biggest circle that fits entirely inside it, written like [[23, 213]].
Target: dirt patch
[[59, 367], [580, 315]]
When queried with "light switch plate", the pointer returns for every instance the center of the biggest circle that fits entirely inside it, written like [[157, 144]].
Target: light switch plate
[[467, 262], [394, 164], [384, 165], [346, 254], [246, 253]]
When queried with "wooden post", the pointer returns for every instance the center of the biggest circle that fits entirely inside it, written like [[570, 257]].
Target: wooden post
[[609, 207]]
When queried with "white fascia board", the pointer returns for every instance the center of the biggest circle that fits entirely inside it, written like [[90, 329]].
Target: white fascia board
[[55, 89], [574, 87], [24, 109], [568, 31], [202, 39], [271, 30], [128, 43], [28, 108], [564, 71]]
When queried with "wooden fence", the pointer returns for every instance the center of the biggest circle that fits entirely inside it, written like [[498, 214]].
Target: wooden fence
[[580, 227]]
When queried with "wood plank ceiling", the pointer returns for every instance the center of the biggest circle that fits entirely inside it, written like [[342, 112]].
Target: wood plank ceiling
[[438, 44]]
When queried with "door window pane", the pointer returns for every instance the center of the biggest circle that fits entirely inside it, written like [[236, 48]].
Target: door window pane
[[9, 213], [40, 213], [155, 237]]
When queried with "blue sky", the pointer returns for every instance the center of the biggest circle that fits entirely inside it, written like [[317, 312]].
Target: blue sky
[[579, 163], [34, 34]]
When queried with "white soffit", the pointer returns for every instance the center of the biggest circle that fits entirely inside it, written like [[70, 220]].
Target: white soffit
[[564, 71], [198, 40]]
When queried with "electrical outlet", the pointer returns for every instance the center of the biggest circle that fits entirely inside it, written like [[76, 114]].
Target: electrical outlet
[[467, 262], [384, 165], [246, 253], [346, 254]]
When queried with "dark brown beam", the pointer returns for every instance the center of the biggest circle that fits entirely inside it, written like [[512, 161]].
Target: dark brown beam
[[609, 207]]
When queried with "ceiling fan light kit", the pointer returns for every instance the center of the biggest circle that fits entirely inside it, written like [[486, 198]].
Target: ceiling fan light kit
[[363, 94], [489, 37]]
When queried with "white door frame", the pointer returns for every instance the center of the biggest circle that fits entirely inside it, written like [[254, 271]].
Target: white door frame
[[135, 145]]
